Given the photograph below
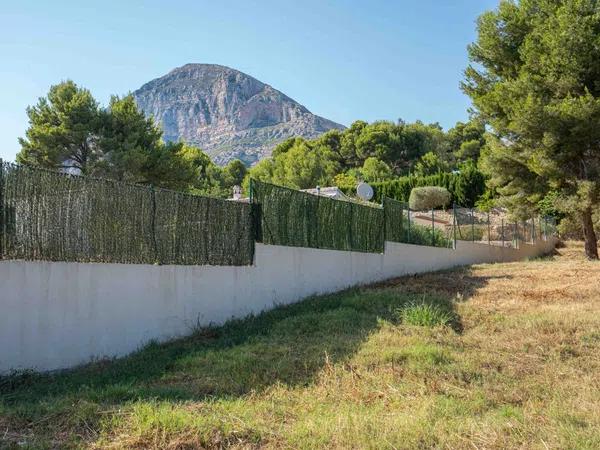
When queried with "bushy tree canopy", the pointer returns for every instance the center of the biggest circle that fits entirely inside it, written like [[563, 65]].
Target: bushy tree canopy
[[69, 130], [534, 79], [64, 130], [371, 152]]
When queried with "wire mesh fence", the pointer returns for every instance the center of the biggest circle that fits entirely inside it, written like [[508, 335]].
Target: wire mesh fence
[[47, 215], [496, 228], [415, 227]]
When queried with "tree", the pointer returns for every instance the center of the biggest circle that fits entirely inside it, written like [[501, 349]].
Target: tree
[[304, 164], [469, 185], [68, 130], [168, 166], [534, 79], [430, 163], [348, 140], [63, 130], [128, 140], [467, 139], [375, 170], [234, 173], [382, 140]]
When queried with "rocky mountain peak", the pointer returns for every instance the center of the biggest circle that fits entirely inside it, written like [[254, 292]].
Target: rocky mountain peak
[[225, 112]]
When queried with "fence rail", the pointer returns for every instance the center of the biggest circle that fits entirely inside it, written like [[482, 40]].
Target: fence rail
[[56, 216]]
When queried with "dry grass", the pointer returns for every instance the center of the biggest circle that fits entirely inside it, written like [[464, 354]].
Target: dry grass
[[518, 368]]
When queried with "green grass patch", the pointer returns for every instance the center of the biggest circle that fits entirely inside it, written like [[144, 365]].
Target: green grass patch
[[429, 312]]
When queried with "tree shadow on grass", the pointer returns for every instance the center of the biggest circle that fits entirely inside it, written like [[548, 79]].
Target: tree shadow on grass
[[288, 345]]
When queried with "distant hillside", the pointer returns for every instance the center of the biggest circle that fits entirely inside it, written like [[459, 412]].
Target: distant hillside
[[225, 112]]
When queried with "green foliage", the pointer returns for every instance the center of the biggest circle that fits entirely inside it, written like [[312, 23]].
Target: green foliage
[[468, 232], [465, 187], [487, 201], [466, 140], [422, 235], [377, 153], [69, 130], [428, 197], [551, 205], [429, 164], [469, 185], [216, 181], [569, 228], [298, 164], [129, 143], [64, 129], [375, 170], [371, 152], [533, 78], [347, 182]]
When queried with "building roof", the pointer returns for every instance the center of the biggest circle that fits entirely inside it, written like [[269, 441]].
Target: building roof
[[331, 192]]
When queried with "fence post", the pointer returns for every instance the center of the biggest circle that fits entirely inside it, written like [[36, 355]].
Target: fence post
[[251, 190], [533, 230], [502, 231], [408, 224], [516, 235], [472, 225], [432, 229], [489, 229], [384, 220], [454, 223]]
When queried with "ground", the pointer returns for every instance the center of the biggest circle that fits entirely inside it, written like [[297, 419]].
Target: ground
[[489, 356]]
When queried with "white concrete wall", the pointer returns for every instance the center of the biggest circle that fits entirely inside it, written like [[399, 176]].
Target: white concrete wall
[[56, 315]]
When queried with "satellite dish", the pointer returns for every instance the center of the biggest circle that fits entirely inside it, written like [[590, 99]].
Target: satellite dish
[[364, 191]]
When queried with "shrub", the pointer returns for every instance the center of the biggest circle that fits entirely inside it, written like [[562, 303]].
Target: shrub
[[469, 185], [422, 198], [422, 235], [465, 187], [470, 233]]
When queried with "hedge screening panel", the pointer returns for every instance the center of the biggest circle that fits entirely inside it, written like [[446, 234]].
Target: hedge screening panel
[[299, 219], [60, 217], [395, 220], [55, 216], [191, 228]]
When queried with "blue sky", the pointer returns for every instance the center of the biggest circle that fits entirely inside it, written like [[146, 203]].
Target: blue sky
[[343, 60]]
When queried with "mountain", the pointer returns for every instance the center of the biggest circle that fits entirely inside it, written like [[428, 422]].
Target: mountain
[[225, 112]]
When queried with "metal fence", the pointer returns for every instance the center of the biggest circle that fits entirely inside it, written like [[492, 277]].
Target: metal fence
[[495, 227], [415, 227]]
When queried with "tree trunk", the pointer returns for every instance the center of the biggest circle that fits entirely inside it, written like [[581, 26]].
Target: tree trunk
[[591, 246]]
